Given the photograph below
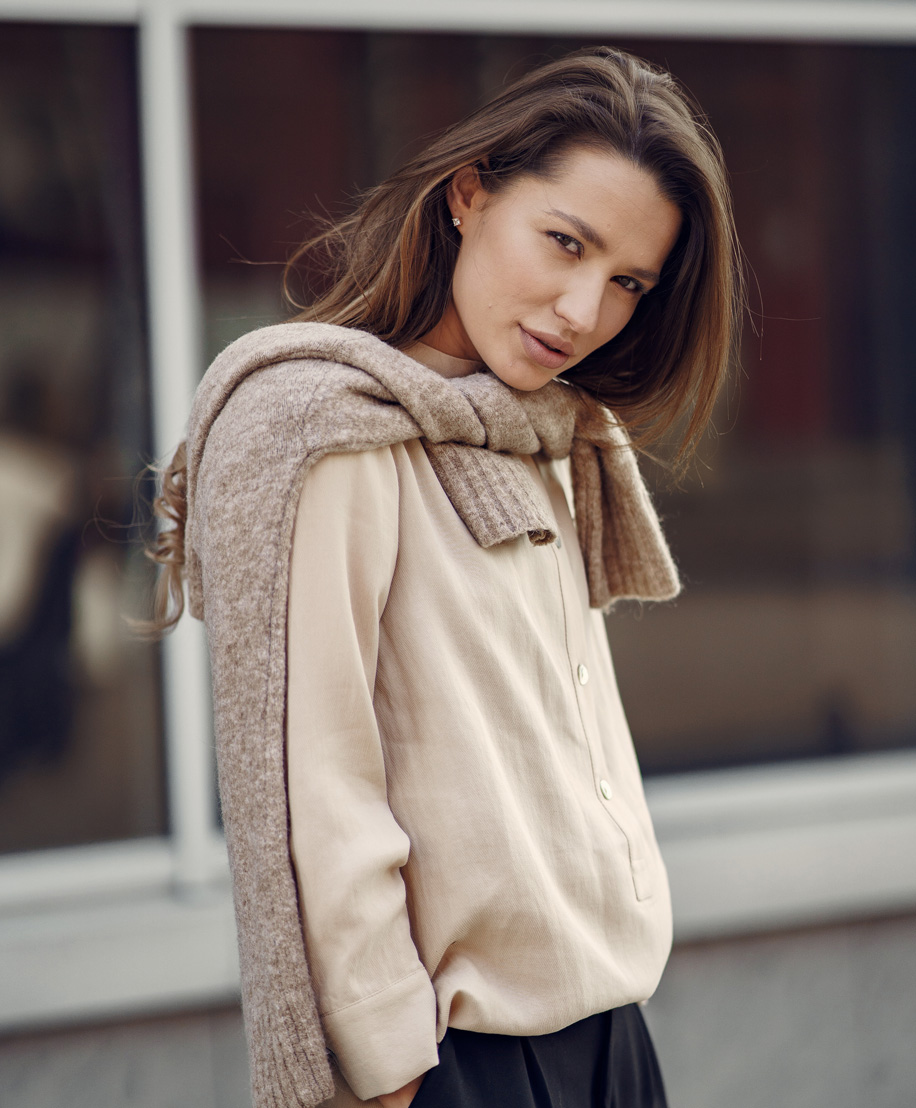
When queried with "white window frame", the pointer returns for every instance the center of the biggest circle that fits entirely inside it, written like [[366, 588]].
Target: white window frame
[[141, 926]]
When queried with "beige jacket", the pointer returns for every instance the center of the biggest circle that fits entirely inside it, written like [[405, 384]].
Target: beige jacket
[[468, 825], [273, 405]]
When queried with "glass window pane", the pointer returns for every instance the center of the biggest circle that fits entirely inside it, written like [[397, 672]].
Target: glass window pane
[[796, 636], [797, 629], [80, 744]]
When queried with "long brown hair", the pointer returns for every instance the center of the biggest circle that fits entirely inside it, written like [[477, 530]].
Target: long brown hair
[[388, 265]]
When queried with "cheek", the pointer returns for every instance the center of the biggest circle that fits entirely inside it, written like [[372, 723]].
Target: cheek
[[481, 286], [502, 258], [496, 281], [470, 295], [618, 312]]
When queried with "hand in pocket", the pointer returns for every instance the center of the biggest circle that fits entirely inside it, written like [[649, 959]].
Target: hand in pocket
[[402, 1098]]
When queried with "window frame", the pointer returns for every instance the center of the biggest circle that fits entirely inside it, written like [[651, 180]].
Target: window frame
[[146, 925]]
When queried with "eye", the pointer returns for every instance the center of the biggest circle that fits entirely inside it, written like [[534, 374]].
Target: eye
[[631, 284], [569, 244]]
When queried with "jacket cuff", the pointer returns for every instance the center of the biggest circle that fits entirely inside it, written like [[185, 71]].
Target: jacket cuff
[[387, 1039]]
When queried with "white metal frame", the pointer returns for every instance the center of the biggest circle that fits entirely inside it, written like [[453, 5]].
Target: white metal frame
[[139, 926], [813, 20]]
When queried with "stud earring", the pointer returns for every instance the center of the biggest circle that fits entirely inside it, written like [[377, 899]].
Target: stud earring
[[456, 221]]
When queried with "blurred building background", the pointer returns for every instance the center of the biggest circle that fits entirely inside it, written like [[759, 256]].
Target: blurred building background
[[158, 162]]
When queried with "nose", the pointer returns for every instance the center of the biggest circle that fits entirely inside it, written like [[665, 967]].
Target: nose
[[580, 304]]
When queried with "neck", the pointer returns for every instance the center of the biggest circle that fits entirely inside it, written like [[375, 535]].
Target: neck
[[449, 336], [443, 362]]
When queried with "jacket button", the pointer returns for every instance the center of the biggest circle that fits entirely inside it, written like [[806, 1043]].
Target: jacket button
[[605, 788], [582, 674]]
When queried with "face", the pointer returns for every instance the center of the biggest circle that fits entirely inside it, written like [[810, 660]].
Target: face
[[549, 270]]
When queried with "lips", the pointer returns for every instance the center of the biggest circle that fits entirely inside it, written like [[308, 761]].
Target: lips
[[546, 350]]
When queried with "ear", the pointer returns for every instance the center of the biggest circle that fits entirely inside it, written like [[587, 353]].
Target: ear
[[465, 193]]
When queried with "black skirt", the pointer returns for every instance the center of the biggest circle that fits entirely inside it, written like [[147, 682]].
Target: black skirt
[[604, 1061]]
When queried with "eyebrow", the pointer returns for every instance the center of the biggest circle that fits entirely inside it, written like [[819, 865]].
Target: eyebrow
[[587, 231]]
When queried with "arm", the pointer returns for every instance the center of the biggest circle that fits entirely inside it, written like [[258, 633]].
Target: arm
[[375, 998]]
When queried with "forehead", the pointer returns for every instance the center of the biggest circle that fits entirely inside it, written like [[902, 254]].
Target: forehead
[[584, 169], [605, 199]]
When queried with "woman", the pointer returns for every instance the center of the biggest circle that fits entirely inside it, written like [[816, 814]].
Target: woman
[[401, 531]]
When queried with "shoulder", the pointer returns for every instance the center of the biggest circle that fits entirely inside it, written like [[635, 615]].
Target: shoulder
[[277, 371], [366, 482], [370, 491], [355, 474], [347, 514]]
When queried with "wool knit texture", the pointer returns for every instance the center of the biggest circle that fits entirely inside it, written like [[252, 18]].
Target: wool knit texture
[[271, 405]]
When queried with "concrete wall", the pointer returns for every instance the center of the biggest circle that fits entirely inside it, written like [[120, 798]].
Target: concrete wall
[[824, 1018]]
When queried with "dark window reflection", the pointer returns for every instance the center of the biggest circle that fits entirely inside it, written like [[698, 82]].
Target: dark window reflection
[[80, 756], [797, 633]]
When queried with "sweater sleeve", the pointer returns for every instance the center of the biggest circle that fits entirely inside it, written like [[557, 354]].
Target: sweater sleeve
[[375, 997]]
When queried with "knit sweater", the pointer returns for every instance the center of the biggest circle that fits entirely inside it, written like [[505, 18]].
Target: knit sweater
[[271, 406]]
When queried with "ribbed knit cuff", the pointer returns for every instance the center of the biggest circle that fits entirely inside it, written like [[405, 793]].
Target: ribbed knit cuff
[[387, 1039]]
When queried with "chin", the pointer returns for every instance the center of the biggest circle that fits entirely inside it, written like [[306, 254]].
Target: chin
[[525, 378]]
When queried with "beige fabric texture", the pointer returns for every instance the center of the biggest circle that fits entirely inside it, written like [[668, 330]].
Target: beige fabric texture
[[449, 733], [271, 405]]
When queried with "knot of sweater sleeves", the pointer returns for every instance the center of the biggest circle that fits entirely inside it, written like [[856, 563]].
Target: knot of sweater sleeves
[[304, 390]]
